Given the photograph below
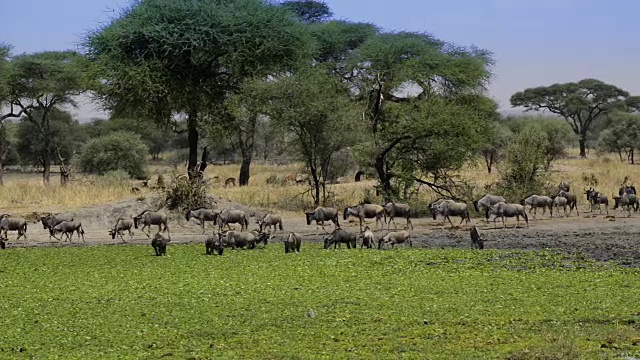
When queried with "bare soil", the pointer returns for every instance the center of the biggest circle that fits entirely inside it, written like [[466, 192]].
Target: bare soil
[[605, 238]]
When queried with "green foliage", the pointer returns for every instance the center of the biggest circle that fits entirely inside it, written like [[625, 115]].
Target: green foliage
[[622, 136], [308, 11], [184, 194], [5, 51], [115, 151], [494, 143]]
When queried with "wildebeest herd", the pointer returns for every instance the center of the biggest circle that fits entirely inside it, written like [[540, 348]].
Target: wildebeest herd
[[270, 223]]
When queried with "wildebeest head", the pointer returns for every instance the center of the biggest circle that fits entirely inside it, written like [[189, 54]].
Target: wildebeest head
[[263, 238], [591, 193], [135, 222], [308, 215], [188, 215], [327, 241]]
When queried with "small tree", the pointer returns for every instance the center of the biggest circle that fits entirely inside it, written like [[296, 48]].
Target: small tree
[[494, 144], [115, 151], [622, 136]]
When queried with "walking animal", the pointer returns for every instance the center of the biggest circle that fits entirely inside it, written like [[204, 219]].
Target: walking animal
[[213, 244], [395, 237], [572, 200], [536, 201], [596, 198], [292, 242], [368, 238], [121, 225], [159, 244], [486, 203], [393, 210], [49, 221], [270, 220], [365, 211], [339, 236], [148, 218], [8, 223], [450, 207], [564, 186], [560, 202], [68, 228], [626, 200], [232, 216], [322, 214], [503, 210], [624, 189], [203, 215]]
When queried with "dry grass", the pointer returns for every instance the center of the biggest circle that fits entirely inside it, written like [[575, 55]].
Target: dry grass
[[25, 193]]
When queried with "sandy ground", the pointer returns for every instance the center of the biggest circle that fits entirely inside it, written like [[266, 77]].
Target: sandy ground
[[603, 238]]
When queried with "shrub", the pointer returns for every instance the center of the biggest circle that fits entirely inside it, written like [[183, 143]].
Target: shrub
[[184, 194], [114, 151]]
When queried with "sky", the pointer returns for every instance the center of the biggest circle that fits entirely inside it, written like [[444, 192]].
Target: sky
[[534, 42]]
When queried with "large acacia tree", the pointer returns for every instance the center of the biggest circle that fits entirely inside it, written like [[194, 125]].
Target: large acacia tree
[[163, 58], [580, 103]]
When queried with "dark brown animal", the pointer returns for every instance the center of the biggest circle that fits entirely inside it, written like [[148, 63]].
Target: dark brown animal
[[292, 243], [159, 244], [477, 242], [230, 181]]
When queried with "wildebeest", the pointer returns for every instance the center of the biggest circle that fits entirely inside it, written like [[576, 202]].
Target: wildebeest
[[159, 244], [596, 198], [503, 210], [340, 236], [486, 203], [270, 220], [322, 214], [564, 186], [477, 242], [365, 211], [68, 228], [560, 202], [450, 207], [232, 216], [242, 239], [624, 189], [213, 244], [292, 242], [49, 221], [395, 237], [230, 181], [626, 200], [2, 244], [536, 201], [368, 238], [203, 215], [572, 200], [392, 210], [148, 218], [121, 225], [8, 223]]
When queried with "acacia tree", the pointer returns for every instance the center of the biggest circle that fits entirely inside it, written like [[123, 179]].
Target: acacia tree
[[308, 11], [580, 104], [621, 136], [494, 144], [161, 58]]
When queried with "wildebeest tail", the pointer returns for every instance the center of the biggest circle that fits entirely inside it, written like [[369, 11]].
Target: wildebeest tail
[[475, 205]]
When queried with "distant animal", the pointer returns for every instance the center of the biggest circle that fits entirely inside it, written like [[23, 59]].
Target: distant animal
[[230, 181], [560, 202], [486, 202], [8, 223], [365, 211], [68, 228], [213, 244], [148, 218], [159, 244], [340, 236], [292, 242], [624, 189], [135, 190], [270, 220], [572, 200], [121, 225], [232, 216], [596, 198], [203, 215], [538, 201], [503, 210], [451, 207], [322, 214], [395, 237], [392, 210], [564, 186], [368, 238], [477, 242], [50, 221], [630, 201], [242, 239]]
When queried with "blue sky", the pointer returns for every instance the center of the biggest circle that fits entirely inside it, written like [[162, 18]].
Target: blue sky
[[535, 42]]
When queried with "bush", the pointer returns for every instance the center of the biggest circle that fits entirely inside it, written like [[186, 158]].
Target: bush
[[184, 194], [114, 151]]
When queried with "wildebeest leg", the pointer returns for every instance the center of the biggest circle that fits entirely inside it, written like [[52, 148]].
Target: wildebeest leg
[[202, 224], [446, 216], [504, 225], [409, 223]]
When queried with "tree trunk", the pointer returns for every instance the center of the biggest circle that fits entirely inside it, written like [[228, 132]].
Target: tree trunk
[[245, 172], [1, 172], [632, 153], [192, 137], [620, 154], [582, 141], [384, 178]]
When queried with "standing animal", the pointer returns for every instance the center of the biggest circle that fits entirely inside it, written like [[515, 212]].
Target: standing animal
[[3, 245], [213, 244], [393, 210], [322, 214], [596, 198], [68, 228], [564, 186], [232, 216], [395, 237], [270, 220], [159, 244], [50, 221], [536, 201], [572, 200], [8, 223], [148, 218], [292, 243], [477, 242], [203, 215], [230, 181], [339, 236], [560, 202], [486, 202], [365, 211], [503, 210], [624, 189], [121, 225], [626, 200], [368, 238], [450, 207]]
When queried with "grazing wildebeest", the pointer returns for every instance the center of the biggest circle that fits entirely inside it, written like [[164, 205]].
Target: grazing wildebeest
[[148, 218], [232, 216], [241, 239], [49, 221], [322, 214], [339, 236], [486, 203], [536, 201], [213, 244], [433, 207], [477, 242], [572, 200], [365, 211], [560, 202], [230, 181], [596, 198], [564, 186], [503, 210], [270, 220], [368, 238], [8, 223], [121, 225], [159, 244], [626, 200], [395, 237], [292, 242], [68, 228], [624, 189], [450, 207], [203, 215], [393, 210]]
